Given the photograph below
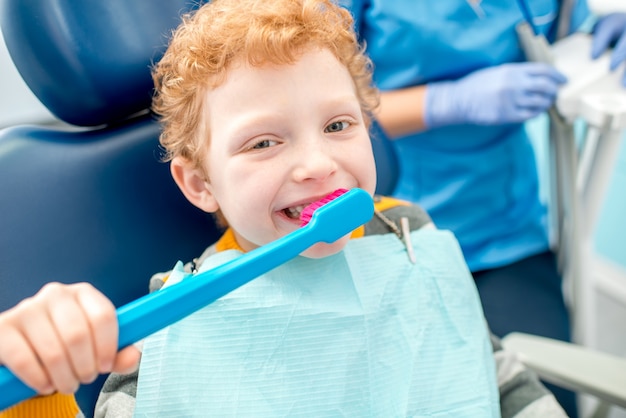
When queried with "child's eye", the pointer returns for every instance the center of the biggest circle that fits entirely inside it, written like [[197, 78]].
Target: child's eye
[[265, 143], [337, 126]]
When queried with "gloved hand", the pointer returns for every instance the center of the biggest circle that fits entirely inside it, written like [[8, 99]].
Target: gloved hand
[[508, 93], [609, 29]]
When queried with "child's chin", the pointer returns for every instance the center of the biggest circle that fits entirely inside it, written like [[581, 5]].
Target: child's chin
[[323, 249]]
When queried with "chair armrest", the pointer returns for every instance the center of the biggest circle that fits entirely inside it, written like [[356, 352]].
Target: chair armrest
[[572, 366]]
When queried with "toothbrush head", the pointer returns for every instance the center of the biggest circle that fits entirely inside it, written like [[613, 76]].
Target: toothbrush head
[[307, 213], [338, 213]]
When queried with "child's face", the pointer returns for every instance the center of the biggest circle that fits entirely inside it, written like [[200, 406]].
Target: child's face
[[281, 138]]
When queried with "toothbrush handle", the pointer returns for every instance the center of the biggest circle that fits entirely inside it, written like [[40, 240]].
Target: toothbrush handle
[[12, 389]]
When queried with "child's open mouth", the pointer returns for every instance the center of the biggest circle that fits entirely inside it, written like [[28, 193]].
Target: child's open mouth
[[294, 212], [304, 212]]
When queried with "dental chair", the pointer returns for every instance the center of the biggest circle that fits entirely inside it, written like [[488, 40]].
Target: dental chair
[[88, 199]]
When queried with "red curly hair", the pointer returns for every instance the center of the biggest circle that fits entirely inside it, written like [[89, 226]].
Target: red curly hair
[[258, 32]]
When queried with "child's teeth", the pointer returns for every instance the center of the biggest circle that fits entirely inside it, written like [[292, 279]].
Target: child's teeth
[[295, 211]]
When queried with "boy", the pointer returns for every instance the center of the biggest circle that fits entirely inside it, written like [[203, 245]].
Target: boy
[[265, 108]]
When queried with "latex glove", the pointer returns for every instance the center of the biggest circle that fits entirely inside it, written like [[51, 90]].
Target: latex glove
[[508, 93], [611, 29]]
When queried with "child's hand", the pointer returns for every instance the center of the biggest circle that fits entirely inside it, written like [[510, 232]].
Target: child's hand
[[63, 336]]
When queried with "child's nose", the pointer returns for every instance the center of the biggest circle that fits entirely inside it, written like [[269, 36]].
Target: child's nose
[[315, 163]]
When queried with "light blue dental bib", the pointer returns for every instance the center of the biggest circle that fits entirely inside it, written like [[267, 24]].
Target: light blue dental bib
[[363, 333]]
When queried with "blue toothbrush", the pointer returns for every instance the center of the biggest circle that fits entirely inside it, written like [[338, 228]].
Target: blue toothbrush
[[148, 314]]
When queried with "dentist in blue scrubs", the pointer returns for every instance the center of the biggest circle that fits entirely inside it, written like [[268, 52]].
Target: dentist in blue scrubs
[[456, 91]]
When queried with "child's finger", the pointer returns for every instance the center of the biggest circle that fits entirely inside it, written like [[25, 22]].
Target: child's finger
[[31, 319], [103, 320], [103, 323], [18, 356], [48, 338], [127, 360], [75, 334]]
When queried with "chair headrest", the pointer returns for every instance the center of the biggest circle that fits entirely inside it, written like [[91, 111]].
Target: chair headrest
[[89, 62]]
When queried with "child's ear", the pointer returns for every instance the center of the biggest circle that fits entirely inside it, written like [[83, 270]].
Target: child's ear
[[193, 184]]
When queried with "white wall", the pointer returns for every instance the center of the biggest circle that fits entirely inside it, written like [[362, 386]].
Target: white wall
[[17, 103], [606, 6]]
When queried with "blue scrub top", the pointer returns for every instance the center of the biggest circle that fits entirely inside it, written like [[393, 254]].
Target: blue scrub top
[[479, 181]]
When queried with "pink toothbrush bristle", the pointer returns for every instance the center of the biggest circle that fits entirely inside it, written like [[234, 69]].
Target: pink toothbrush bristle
[[307, 213]]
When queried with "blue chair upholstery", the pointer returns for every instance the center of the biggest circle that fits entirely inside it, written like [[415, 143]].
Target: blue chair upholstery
[[88, 62], [386, 161], [89, 200]]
